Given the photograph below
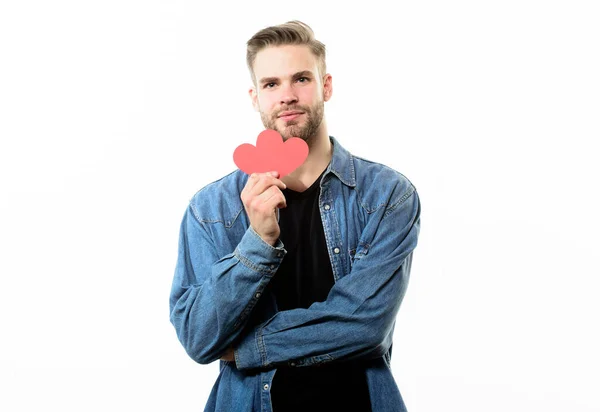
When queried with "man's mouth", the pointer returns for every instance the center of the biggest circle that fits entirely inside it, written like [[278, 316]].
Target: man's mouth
[[290, 115]]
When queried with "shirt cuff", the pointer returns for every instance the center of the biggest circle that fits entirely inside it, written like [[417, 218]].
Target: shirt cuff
[[247, 353], [257, 254]]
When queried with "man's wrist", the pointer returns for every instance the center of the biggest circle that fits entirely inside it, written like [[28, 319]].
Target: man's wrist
[[270, 241]]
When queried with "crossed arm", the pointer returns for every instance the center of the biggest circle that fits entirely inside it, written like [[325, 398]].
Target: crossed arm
[[212, 297]]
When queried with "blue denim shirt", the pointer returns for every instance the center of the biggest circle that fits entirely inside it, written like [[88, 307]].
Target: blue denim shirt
[[371, 219]]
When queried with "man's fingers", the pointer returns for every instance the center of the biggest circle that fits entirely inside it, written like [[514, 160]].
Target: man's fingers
[[276, 200], [269, 199], [259, 182], [228, 355], [252, 180]]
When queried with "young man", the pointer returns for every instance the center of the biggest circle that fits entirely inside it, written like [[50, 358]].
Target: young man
[[295, 283]]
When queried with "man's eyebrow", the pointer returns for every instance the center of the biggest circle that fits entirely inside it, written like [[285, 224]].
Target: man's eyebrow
[[302, 73]]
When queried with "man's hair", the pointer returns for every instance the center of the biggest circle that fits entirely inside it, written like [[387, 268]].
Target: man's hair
[[291, 33]]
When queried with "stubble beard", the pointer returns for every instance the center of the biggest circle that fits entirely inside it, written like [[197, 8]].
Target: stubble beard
[[314, 118]]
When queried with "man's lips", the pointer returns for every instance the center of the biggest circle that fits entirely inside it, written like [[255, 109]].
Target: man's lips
[[290, 115]]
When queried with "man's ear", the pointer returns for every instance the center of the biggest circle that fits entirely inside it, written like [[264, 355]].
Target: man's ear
[[254, 98], [327, 87]]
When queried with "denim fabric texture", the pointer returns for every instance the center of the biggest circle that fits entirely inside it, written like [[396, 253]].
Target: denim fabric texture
[[219, 296]]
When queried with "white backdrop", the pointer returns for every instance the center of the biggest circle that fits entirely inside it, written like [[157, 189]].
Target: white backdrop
[[114, 113]]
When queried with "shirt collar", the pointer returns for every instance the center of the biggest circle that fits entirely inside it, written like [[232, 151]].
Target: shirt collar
[[342, 164]]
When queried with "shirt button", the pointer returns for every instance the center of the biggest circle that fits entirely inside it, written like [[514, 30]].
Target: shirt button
[[279, 254], [272, 266], [336, 250], [266, 387], [257, 295], [327, 207], [292, 364]]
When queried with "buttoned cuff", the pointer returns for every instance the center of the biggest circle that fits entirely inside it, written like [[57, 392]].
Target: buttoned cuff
[[248, 353], [257, 254]]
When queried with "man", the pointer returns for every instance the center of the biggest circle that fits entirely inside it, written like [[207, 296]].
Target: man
[[295, 283]]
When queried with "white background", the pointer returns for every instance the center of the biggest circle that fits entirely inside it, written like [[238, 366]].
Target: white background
[[114, 113]]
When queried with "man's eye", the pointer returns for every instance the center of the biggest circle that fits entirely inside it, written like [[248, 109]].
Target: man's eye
[[305, 78], [267, 85]]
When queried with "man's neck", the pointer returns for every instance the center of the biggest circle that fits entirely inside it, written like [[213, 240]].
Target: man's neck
[[319, 156]]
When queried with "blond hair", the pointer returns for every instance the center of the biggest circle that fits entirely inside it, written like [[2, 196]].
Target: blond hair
[[291, 33]]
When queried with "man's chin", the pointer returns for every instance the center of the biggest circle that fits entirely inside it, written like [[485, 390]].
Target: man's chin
[[288, 132], [290, 129]]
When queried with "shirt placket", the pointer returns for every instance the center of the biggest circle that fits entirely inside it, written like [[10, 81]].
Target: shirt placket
[[333, 238], [265, 390]]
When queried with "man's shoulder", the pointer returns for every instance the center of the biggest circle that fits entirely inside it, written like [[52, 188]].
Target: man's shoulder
[[219, 200], [379, 182]]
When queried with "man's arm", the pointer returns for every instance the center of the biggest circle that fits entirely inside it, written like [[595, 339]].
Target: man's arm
[[212, 295], [356, 319]]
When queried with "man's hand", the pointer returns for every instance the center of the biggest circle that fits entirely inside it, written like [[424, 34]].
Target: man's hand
[[228, 356], [261, 197]]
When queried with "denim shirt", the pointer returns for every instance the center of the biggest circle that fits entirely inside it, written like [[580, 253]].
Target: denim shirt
[[371, 220]]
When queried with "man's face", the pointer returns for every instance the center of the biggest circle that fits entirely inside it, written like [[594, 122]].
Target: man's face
[[288, 80]]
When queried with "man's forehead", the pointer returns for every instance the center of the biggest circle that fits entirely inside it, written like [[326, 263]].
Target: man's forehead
[[284, 61]]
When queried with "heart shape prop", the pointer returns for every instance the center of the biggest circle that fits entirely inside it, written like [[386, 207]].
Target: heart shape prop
[[271, 153]]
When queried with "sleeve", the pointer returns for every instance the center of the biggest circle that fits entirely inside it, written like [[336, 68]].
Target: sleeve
[[357, 318], [212, 295]]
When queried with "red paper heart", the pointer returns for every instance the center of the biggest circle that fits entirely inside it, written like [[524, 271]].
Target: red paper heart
[[271, 153]]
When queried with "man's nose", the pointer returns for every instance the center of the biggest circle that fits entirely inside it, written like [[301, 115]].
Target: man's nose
[[288, 95]]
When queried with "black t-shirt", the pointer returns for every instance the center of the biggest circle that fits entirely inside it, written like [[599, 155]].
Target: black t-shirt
[[304, 277]]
